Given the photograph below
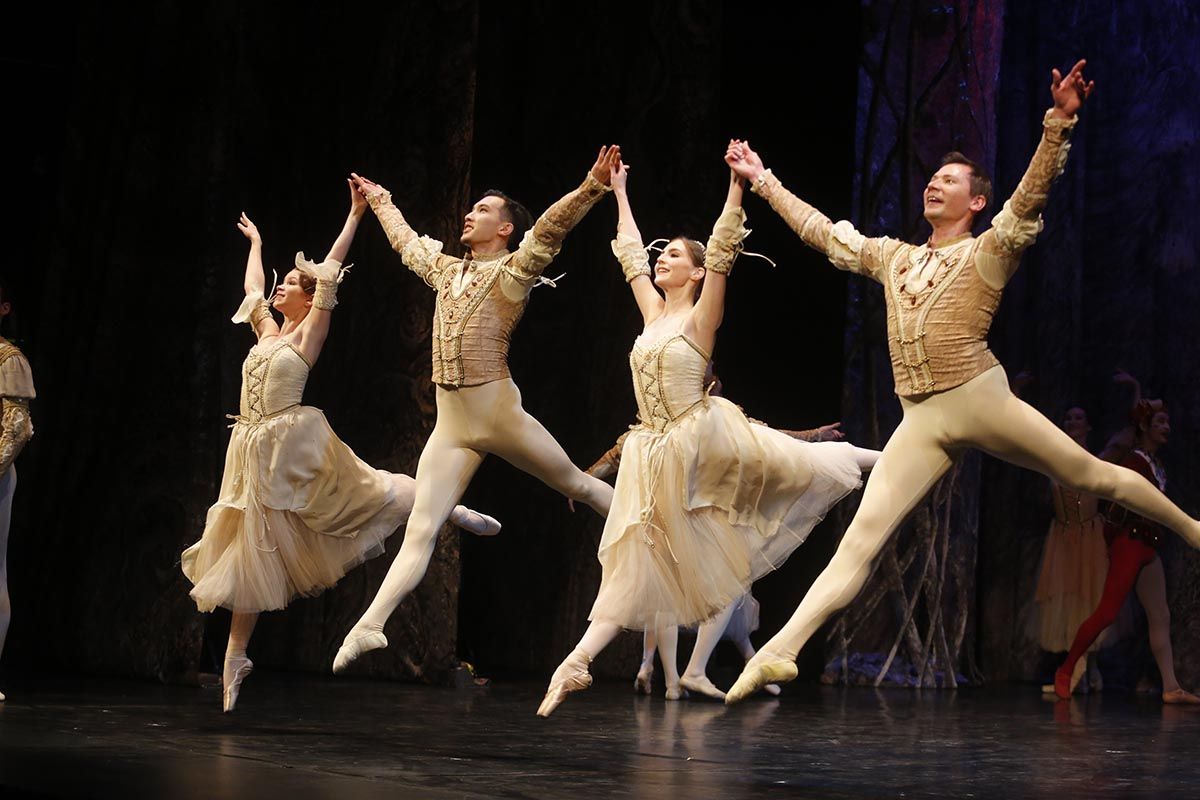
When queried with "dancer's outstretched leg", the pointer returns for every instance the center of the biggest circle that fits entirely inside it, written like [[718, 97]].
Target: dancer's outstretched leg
[[866, 458], [522, 441], [667, 633], [1014, 431], [237, 666], [1152, 592], [443, 473], [572, 674], [912, 462], [644, 682], [695, 676]]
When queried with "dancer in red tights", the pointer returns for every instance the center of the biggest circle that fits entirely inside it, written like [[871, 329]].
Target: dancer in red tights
[[1133, 562]]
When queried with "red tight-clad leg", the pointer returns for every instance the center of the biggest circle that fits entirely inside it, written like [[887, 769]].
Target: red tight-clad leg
[[1126, 558]]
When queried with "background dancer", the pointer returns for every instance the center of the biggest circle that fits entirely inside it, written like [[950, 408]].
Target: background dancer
[[1133, 562]]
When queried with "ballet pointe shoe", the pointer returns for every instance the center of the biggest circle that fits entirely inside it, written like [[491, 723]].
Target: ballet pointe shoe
[[773, 690], [474, 522], [2, 697], [1180, 697], [757, 676], [237, 669], [1064, 683], [702, 686], [354, 645], [644, 682], [571, 676]]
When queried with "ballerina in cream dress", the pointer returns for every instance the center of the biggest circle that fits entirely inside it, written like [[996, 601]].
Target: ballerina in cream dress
[[297, 509], [705, 501]]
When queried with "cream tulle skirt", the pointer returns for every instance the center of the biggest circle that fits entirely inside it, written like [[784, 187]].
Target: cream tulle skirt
[[297, 510], [704, 509], [1074, 565]]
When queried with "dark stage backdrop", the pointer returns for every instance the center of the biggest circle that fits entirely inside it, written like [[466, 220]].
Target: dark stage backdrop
[[151, 133], [143, 137]]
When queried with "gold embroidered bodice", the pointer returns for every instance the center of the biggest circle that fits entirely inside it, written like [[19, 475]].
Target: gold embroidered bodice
[[668, 378], [472, 331], [273, 378], [937, 332]]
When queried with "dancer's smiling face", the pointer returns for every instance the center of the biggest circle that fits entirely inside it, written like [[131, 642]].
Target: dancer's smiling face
[[293, 297], [680, 263], [948, 195], [486, 222], [1075, 423]]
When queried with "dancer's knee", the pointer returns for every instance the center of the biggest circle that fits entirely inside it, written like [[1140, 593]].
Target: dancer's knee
[[1097, 477], [421, 533]]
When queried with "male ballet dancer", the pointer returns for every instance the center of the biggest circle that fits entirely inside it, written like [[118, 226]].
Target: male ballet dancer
[[941, 297], [480, 299]]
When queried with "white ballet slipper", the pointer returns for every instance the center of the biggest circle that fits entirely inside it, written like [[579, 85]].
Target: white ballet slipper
[[474, 522], [354, 645], [237, 669]]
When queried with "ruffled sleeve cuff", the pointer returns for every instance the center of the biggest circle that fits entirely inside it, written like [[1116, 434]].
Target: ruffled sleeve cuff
[[632, 255]]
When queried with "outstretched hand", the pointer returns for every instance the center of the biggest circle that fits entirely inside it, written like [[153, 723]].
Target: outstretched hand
[[744, 162], [366, 187], [249, 229], [358, 201], [1070, 92], [619, 176], [608, 158], [830, 433]]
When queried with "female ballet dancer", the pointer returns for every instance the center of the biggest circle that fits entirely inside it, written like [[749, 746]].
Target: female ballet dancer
[[1074, 561], [1133, 563], [735, 623], [705, 501], [297, 509]]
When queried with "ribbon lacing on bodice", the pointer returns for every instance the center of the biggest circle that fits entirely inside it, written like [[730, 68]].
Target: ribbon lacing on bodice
[[648, 374], [257, 368]]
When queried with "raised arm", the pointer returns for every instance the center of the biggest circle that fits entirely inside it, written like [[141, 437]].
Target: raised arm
[[1020, 221], [315, 328], [255, 309], [358, 207], [421, 254], [841, 243], [724, 245], [543, 241], [630, 250]]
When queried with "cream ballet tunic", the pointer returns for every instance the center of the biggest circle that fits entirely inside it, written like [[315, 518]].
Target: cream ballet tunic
[[705, 502], [297, 509]]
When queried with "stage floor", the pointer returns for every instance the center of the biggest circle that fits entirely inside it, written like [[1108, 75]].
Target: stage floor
[[306, 737]]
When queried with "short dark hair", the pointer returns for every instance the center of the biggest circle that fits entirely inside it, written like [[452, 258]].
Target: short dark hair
[[981, 184], [512, 211]]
